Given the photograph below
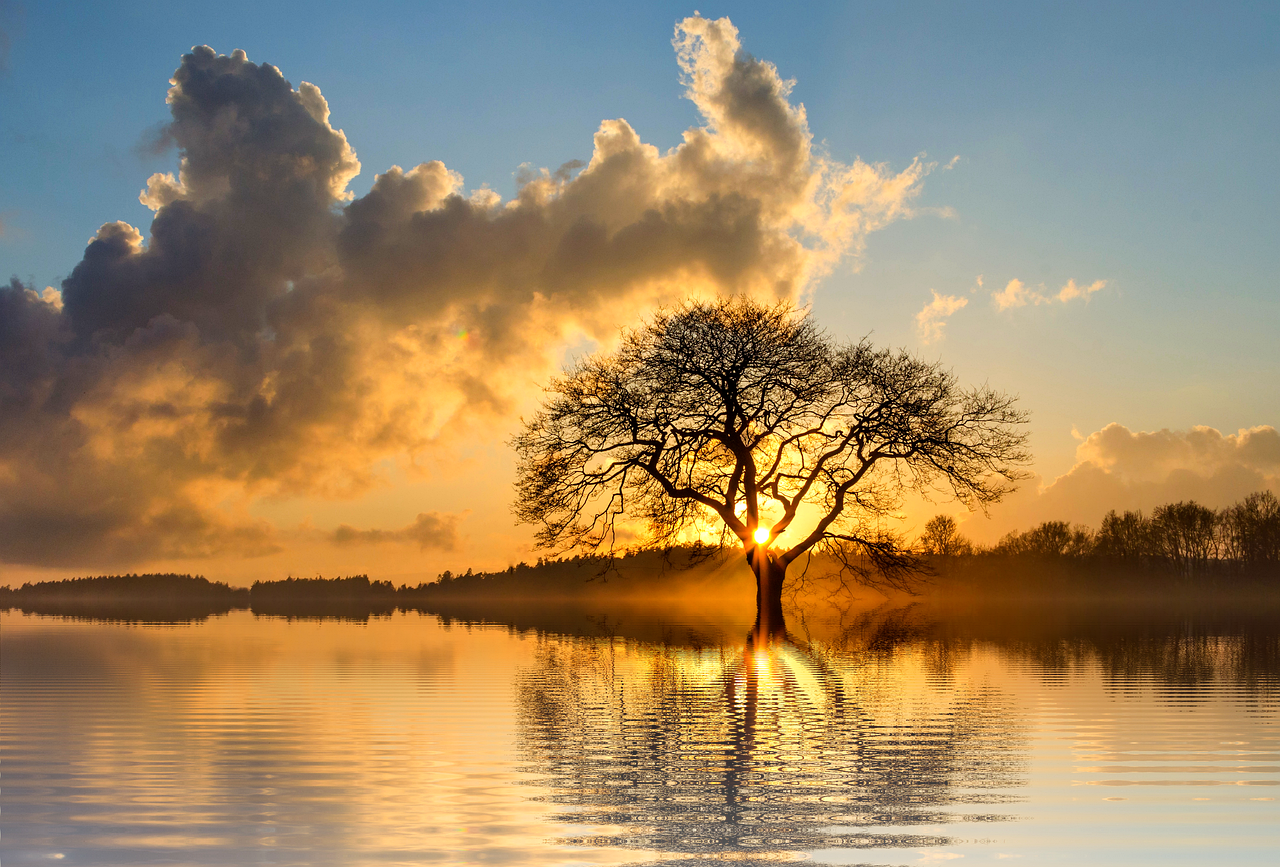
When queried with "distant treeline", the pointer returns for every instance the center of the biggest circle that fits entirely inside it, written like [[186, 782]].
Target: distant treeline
[[1182, 544], [148, 586], [155, 596], [173, 597], [645, 572], [167, 597], [1185, 539]]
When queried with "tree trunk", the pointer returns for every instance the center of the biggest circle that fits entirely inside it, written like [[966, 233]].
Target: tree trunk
[[770, 574]]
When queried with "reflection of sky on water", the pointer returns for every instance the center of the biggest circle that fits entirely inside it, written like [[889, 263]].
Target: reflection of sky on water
[[895, 741]]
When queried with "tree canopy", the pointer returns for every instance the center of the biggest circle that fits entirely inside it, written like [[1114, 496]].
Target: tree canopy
[[745, 420]]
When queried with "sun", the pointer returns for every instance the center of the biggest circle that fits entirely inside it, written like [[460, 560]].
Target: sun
[[762, 534]]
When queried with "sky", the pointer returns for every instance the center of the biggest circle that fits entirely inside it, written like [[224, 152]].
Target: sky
[[282, 314]]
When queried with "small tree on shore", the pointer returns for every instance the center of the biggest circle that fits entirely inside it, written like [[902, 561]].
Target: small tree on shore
[[1186, 535], [942, 538], [1050, 539], [1125, 538], [745, 420], [1251, 530]]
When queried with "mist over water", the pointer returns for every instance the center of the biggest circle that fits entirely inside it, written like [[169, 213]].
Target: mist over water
[[896, 736]]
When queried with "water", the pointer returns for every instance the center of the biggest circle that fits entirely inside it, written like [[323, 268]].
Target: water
[[897, 739]]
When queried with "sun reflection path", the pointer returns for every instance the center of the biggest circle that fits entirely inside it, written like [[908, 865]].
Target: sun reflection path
[[754, 754]]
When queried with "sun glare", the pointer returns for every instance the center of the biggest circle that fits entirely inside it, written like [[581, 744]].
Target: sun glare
[[762, 534]]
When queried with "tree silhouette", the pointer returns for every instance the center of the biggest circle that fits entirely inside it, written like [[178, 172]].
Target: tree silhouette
[[1251, 530], [942, 538], [1185, 534], [745, 420]]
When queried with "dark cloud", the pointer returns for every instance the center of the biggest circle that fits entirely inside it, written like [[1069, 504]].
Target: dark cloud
[[155, 141], [429, 530], [273, 336]]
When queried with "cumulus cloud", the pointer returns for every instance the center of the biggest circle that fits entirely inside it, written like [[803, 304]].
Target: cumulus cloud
[[1117, 468], [428, 530], [1142, 456], [1018, 294], [932, 319], [272, 335]]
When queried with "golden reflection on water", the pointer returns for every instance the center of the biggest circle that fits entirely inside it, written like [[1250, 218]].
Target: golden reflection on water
[[759, 753], [256, 740]]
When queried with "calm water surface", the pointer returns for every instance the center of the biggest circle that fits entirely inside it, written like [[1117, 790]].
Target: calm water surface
[[404, 740]]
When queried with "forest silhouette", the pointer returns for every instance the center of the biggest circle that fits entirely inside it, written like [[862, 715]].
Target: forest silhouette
[[1182, 553]]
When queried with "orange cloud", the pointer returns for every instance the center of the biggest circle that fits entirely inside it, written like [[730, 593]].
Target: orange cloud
[[1018, 294], [932, 319], [1117, 468], [428, 530]]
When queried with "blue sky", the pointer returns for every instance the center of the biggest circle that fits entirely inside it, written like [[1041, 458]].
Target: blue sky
[[1129, 143]]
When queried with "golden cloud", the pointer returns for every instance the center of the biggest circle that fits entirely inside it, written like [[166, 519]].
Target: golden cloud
[[276, 336]]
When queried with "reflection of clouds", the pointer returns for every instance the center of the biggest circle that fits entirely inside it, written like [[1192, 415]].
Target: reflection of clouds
[[243, 740], [252, 740], [763, 753]]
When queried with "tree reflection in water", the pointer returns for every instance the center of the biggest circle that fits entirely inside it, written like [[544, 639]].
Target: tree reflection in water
[[759, 753]]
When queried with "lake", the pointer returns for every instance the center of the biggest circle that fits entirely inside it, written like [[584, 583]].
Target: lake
[[888, 737]]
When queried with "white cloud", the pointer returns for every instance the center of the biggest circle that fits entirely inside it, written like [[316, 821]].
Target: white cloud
[[932, 319]]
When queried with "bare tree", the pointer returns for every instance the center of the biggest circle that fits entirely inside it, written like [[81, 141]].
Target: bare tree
[[1251, 530], [942, 538], [1050, 539], [1186, 535], [745, 420], [1124, 537]]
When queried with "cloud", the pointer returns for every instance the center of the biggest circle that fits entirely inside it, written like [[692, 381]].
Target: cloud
[[1018, 294], [932, 319], [1151, 456], [1015, 294], [429, 530], [1071, 291], [155, 141], [1117, 468], [273, 336]]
